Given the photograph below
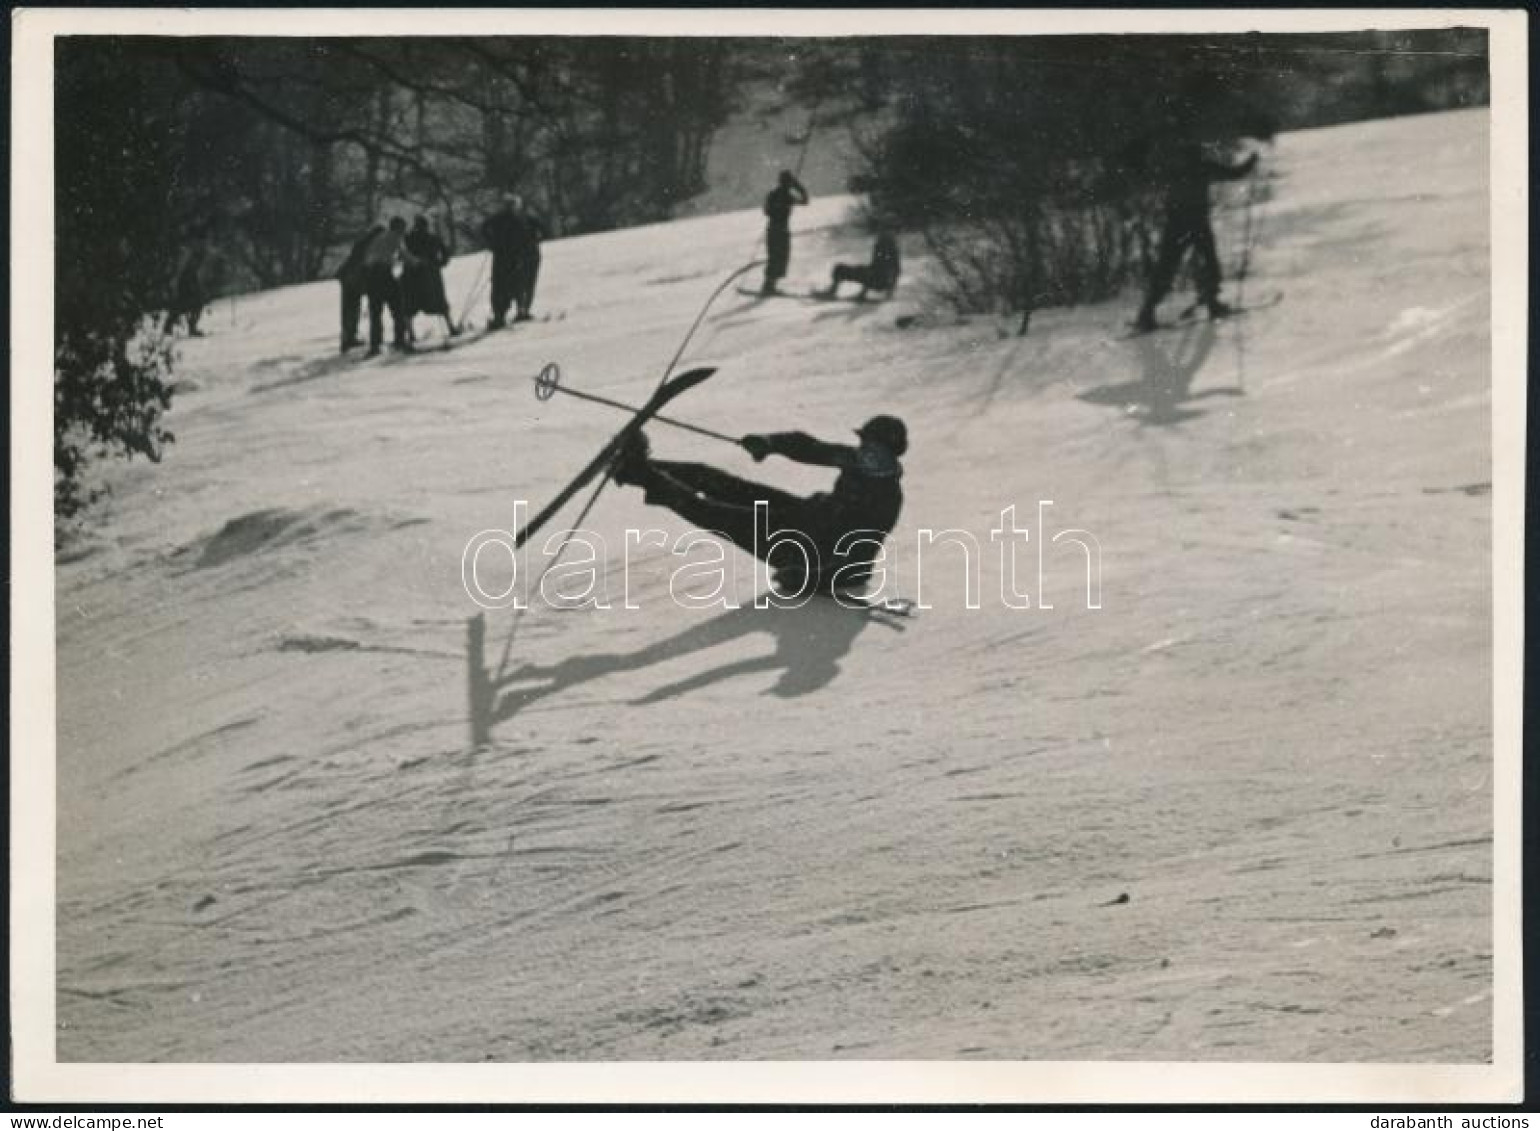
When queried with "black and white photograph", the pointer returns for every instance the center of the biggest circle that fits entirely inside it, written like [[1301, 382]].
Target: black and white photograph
[[799, 556]]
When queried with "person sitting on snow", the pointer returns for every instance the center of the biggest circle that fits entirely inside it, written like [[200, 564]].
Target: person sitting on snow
[[825, 542], [881, 274]]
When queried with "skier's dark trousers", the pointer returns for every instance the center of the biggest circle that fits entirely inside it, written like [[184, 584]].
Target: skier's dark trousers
[[498, 233], [1187, 227], [779, 202], [351, 276], [881, 274], [524, 280], [825, 542]]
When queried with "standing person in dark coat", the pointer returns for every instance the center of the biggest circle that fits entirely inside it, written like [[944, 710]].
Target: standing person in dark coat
[[529, 233], [189, 293], [423, 282], [839, 533], [351, 276], [513, 235], [386, 253], [1188, 175], [779, 202], [881, 274]]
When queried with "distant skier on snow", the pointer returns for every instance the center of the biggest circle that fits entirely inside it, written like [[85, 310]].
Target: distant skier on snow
[[513, 234], [881, 274], [1187, 176], [383, 255], [190, 291], [825, 542], [424, 282], [787, 194], [351, 276]]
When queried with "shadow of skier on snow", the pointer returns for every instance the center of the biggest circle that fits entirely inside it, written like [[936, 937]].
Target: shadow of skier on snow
[[810, 642], [1169, 363]]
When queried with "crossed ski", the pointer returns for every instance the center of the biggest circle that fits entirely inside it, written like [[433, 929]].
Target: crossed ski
[[667, 391]]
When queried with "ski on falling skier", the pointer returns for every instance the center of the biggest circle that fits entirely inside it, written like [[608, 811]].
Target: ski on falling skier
[[601, 462]]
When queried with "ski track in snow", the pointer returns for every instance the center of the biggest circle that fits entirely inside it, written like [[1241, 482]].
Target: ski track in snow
[[814, 834]]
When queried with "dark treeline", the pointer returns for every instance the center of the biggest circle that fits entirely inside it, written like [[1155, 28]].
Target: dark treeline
[[270, 156], [283, 149], [1026, 165]]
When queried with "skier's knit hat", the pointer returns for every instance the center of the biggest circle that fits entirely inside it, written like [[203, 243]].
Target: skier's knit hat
[[889, 431]]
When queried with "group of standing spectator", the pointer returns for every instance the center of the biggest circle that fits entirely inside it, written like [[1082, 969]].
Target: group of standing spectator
[[394, 270], [401, 272]]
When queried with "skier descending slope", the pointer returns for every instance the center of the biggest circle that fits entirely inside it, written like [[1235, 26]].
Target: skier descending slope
[[824, 543], [1188, 176]]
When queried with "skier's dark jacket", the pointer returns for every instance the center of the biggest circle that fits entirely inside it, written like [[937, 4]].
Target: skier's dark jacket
[[1189, 177], [426, 246], [867, 496], [352, 269], [512, 234], [779, 202]]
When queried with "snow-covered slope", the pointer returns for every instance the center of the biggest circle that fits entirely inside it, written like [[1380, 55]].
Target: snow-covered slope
[[816, 833]]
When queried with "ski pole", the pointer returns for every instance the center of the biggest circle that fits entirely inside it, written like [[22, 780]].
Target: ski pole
[[812, 121], [543, 384], [1243, 268], [474, 292], [552, 373]]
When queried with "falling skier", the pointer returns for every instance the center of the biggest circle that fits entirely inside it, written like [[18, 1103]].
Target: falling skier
[[779, 202], [824, 543], [1187, 225]]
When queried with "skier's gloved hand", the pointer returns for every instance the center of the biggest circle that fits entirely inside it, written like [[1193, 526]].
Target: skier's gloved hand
[[756, 446]]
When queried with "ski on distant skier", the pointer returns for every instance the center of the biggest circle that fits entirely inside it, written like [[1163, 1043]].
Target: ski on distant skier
[[467, 336], [806, 296], [436, 344], [601, 462], [1240, 308], [1188, 317], [545, 316]]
